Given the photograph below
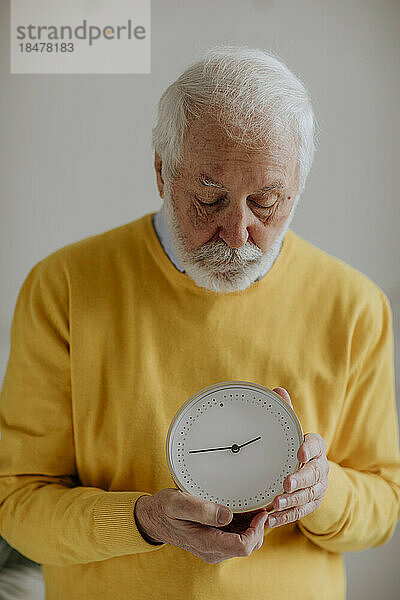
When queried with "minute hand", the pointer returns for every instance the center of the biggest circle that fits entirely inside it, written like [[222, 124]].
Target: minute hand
[[233, 447], [209, 450]]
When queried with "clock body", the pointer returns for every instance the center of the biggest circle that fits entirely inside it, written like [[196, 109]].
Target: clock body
[[234, 443]]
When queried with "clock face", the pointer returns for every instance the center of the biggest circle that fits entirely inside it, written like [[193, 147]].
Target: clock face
[[234, 443]]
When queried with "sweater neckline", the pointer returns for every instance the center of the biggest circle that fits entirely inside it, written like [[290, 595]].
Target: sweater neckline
[[184, 280]]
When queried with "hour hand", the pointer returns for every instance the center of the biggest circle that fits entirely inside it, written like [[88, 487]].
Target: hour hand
[[251, 441]]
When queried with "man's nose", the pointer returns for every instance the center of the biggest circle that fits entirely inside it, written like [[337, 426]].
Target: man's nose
[[233, 228]]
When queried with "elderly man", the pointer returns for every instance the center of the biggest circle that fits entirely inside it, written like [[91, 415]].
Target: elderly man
[[112, 334]]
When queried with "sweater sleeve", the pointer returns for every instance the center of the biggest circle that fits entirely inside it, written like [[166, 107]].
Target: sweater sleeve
[[45, 512], [361, 506]]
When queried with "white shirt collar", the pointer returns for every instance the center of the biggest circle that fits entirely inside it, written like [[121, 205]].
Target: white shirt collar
[[162, 230]]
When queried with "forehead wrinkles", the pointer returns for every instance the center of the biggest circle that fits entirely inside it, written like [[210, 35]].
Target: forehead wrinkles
[[218, 165], [207, 145], [255, 173]]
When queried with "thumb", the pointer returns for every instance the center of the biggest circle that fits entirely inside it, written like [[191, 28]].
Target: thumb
[[188, 507], [283, 394], [256, 526]]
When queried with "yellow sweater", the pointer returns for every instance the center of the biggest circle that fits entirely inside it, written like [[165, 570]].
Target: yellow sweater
[[109, 339]]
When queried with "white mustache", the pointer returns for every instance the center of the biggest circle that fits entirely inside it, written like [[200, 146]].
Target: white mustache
[[219, 252]]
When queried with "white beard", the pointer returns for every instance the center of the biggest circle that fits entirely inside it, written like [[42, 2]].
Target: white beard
[[218, 267]]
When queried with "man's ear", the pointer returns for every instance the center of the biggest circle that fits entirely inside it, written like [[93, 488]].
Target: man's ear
[[160, 180]]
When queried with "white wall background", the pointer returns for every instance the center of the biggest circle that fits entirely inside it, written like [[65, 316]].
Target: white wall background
[[76, 160]]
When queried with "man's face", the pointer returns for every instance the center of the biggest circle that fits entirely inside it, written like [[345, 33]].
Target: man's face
[[227, 229]]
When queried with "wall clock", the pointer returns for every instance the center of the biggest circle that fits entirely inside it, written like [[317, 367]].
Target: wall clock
[[234, 443]]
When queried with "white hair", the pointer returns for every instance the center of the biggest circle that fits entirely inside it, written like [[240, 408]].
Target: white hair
[[252, 94]]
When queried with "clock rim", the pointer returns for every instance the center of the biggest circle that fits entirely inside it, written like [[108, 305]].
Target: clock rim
[[232, 383]]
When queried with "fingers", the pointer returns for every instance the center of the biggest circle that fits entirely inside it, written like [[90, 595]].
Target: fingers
[[192, 525], [184, 506], [302, 496], [314, 445], [237, 544], [283, 394], [253, 537], [314, 471], [291, 515], [228, 545]]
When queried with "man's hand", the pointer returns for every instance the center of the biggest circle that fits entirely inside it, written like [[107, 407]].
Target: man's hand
[[185, 521], [305, 488]]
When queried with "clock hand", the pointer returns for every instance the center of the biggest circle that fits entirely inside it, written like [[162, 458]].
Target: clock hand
[[251, 441], [235, 448], [209, 450]]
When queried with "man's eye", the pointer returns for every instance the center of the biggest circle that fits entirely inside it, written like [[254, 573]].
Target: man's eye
[[267, 209], [209, 203], [264, 207], [222, 198]]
